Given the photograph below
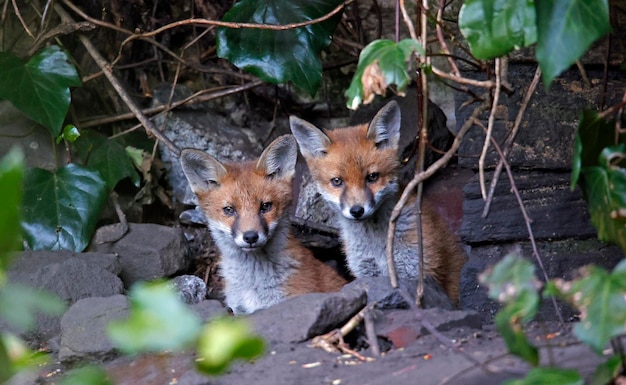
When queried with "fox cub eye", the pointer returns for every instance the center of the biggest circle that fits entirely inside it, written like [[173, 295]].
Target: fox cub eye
[[265, 207], [372, 177], [229, 211], [336, 181]]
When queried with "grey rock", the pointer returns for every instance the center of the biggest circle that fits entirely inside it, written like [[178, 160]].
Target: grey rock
[[208, 309], [556, 211], [83, 328], [68, 275], [191, 289], [149, 251], [305, 316], [379, 290]]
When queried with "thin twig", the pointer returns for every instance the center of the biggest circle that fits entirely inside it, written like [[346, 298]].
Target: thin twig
[[492, 114], [527, 219], [332, 341], [423, 140], [395, 214], [442, 41], [198, 97], [370, 332], [21, 19], [509, 140], [106, 68], [583, 73]]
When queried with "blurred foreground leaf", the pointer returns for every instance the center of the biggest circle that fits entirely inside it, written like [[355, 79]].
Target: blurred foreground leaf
[[224, 340], [158, 321]]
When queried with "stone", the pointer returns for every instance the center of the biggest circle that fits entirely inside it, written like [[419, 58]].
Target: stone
[[208, 309], [191, 289], [70, 276], [555, 210], [149, 251], [379, 290], [305, 316], [84, 325]]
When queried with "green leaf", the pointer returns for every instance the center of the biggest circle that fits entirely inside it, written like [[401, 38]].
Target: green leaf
[[511, 278], [512, 281], [600, 296], [11, 175], [87, 375], [279, 56], [15, 356], [107, 156], [19, 305], [381, 64], [224, 340], [510, 323], [158, 321], [565, 30], [70, 133], [40, 87], [608, 371], [605, 189], [61, 209], [549, 376], [592, 136], [494, 28]]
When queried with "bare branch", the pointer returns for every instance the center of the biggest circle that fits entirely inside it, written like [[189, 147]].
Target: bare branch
[[483, 155], [509, 140]]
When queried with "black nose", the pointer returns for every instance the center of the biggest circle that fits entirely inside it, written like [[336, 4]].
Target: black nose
[[357, 211], [250, 237]]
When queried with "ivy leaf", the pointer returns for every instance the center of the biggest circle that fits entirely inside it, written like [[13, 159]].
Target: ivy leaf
[[512, 281], [16, 356], [224, 340], [60, 209], [107, 156], [158, 321], [510, 322], [279, 56], [40, 87], [549, 376], [494, 28], [601, 298], [565, 30], [381, 64], [511, 278], [605, 189], [608, 371], [70, 133], [11, 175]]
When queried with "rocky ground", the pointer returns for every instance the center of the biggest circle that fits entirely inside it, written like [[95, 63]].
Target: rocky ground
[[468, 351]]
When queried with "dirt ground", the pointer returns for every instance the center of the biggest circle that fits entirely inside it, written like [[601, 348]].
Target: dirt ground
[[480, 358]]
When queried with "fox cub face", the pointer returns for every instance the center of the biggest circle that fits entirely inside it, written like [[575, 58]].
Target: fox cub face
[[355, 168], [243, 202]]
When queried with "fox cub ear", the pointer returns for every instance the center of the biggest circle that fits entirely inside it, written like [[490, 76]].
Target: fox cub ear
[[385, 127], [279, 158], [312, 141], [203, 171]]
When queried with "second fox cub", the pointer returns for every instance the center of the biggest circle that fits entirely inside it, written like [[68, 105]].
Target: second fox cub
[[355, 169], [246, 205]]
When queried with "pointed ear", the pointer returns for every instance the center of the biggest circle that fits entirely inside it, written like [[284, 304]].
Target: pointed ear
[[203, 171], [312, 141], [279, 158], [385, 127]]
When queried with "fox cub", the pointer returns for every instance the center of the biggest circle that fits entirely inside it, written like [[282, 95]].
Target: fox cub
[[356, 172], [247, 205]]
